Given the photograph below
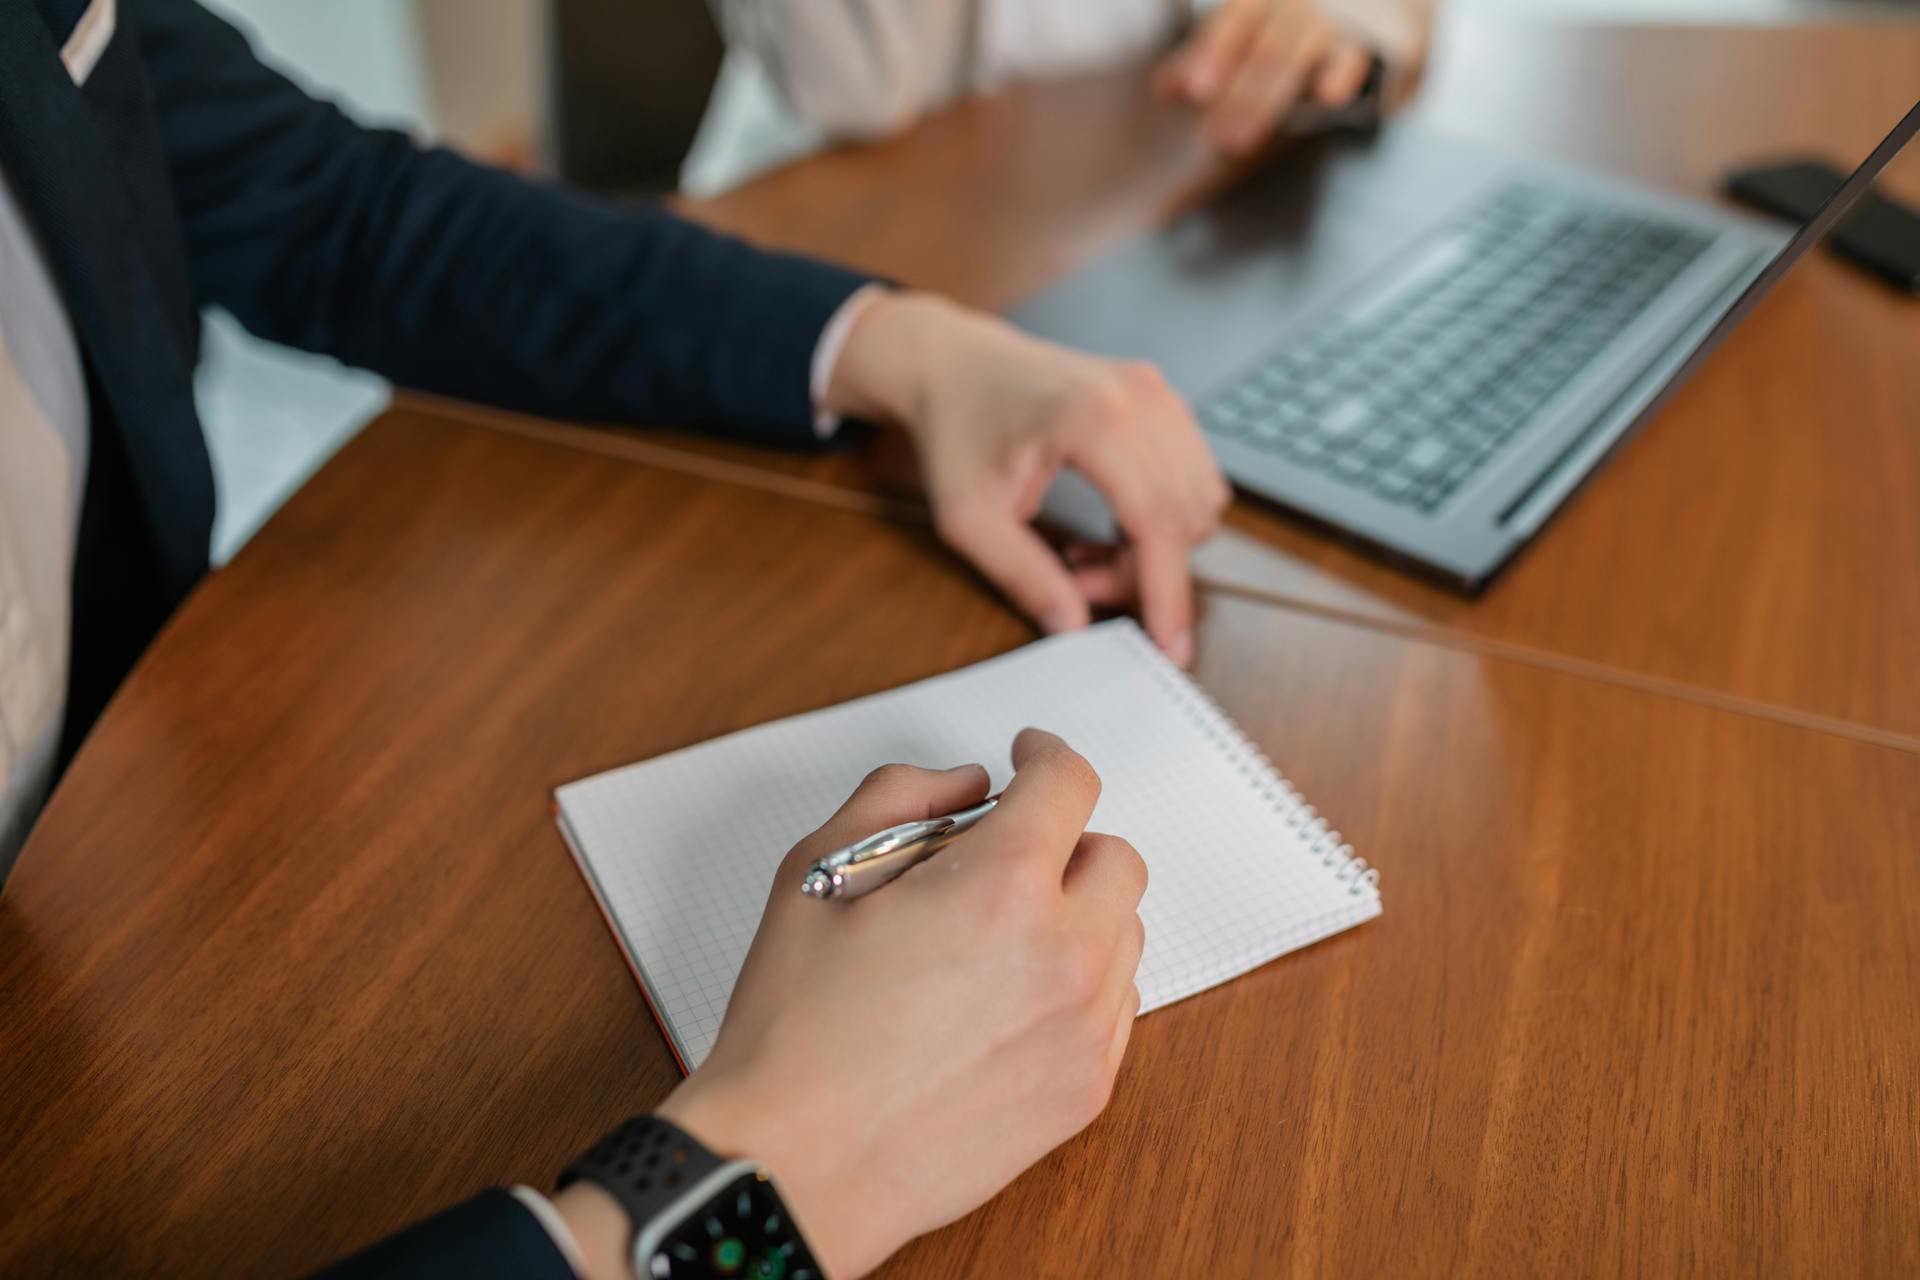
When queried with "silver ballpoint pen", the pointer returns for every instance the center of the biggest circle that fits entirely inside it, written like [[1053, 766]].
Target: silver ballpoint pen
[[865, 865]]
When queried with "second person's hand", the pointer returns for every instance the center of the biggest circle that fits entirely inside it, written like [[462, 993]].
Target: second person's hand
[[1249, 62], [996, 414]]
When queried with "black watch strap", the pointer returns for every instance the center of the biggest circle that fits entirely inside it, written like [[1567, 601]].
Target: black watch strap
[[647, 1164]]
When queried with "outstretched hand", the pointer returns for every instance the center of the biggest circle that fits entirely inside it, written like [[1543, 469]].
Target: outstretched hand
[[996, 414], [1249, 62]]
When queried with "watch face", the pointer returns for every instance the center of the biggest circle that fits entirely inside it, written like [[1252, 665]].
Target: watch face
[[743, 1231]]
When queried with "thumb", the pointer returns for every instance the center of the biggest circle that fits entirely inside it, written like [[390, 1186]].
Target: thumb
[[1018, 561]]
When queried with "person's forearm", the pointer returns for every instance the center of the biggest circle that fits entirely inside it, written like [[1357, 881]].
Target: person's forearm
[[450, 277], [533, 299]]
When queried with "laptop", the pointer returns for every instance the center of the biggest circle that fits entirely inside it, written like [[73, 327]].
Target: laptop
[[1422, 345]]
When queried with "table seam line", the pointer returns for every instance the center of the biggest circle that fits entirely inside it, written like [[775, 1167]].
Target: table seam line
[[624, 446], [620, 443], [1579, 668]]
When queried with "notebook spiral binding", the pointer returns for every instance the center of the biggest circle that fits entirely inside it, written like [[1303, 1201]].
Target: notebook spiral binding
[[1322, 840]]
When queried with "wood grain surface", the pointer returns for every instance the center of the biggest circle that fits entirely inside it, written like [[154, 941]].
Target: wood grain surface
[[1757, 544], [296, 955]]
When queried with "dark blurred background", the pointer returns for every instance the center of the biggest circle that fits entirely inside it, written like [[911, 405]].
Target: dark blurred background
[[628, 81]]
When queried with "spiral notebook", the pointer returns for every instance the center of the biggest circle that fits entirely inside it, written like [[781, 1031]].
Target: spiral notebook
[[680, 850]]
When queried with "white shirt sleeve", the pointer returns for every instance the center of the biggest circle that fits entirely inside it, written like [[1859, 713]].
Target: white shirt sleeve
[[857, 68], [861, 68], [542, 1208], [826, 353]]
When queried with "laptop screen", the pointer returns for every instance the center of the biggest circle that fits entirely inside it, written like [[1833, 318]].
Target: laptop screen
[[1810, 234]]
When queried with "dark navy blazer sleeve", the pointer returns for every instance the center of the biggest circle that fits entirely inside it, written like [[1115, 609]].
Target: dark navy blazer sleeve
[[490, 1237], [451, 277]]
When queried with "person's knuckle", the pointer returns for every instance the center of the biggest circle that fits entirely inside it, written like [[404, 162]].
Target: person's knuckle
[[1121, 861], [1073, 769], [1103, 405], [1075, 976], [1199, 517], [1143, 378], [1164, 519], [957, 522], [889, 779], [800, 857], [1118, 853], [1276, 38], [1132, 865]]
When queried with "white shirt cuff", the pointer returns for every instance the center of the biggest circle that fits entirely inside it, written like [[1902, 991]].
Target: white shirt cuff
[[542, 1208], [826, 353]]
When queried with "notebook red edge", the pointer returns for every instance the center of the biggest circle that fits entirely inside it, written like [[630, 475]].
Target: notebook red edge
[[593, 890]]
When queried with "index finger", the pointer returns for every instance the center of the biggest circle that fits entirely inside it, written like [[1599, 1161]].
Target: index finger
[[1160, 543], [1166, 591], [888, 796], [1201, 66], [1044, 810]]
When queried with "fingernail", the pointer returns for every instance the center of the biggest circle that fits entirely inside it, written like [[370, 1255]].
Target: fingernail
[[1180, 649], [1054, 621]]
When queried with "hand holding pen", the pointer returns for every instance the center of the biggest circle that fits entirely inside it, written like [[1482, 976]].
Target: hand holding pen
[[981, 1004]]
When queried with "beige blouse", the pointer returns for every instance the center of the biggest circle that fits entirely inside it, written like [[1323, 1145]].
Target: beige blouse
[[801, 73]]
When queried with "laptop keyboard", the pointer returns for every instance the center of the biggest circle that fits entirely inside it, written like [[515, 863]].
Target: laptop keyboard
[[1410, 393]]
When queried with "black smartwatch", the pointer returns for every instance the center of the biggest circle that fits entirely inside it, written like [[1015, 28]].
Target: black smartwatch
[[694, 1214]]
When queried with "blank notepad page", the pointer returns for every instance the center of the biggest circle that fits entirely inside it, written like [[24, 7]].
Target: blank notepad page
[[681, 849]]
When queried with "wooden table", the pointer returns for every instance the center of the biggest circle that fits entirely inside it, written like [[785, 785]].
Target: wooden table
[[296, 956]]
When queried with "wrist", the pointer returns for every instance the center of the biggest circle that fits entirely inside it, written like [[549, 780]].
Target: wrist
[[601, 1229], [724, 1118], [662, 1185], [881, 373], [736, 1121]]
